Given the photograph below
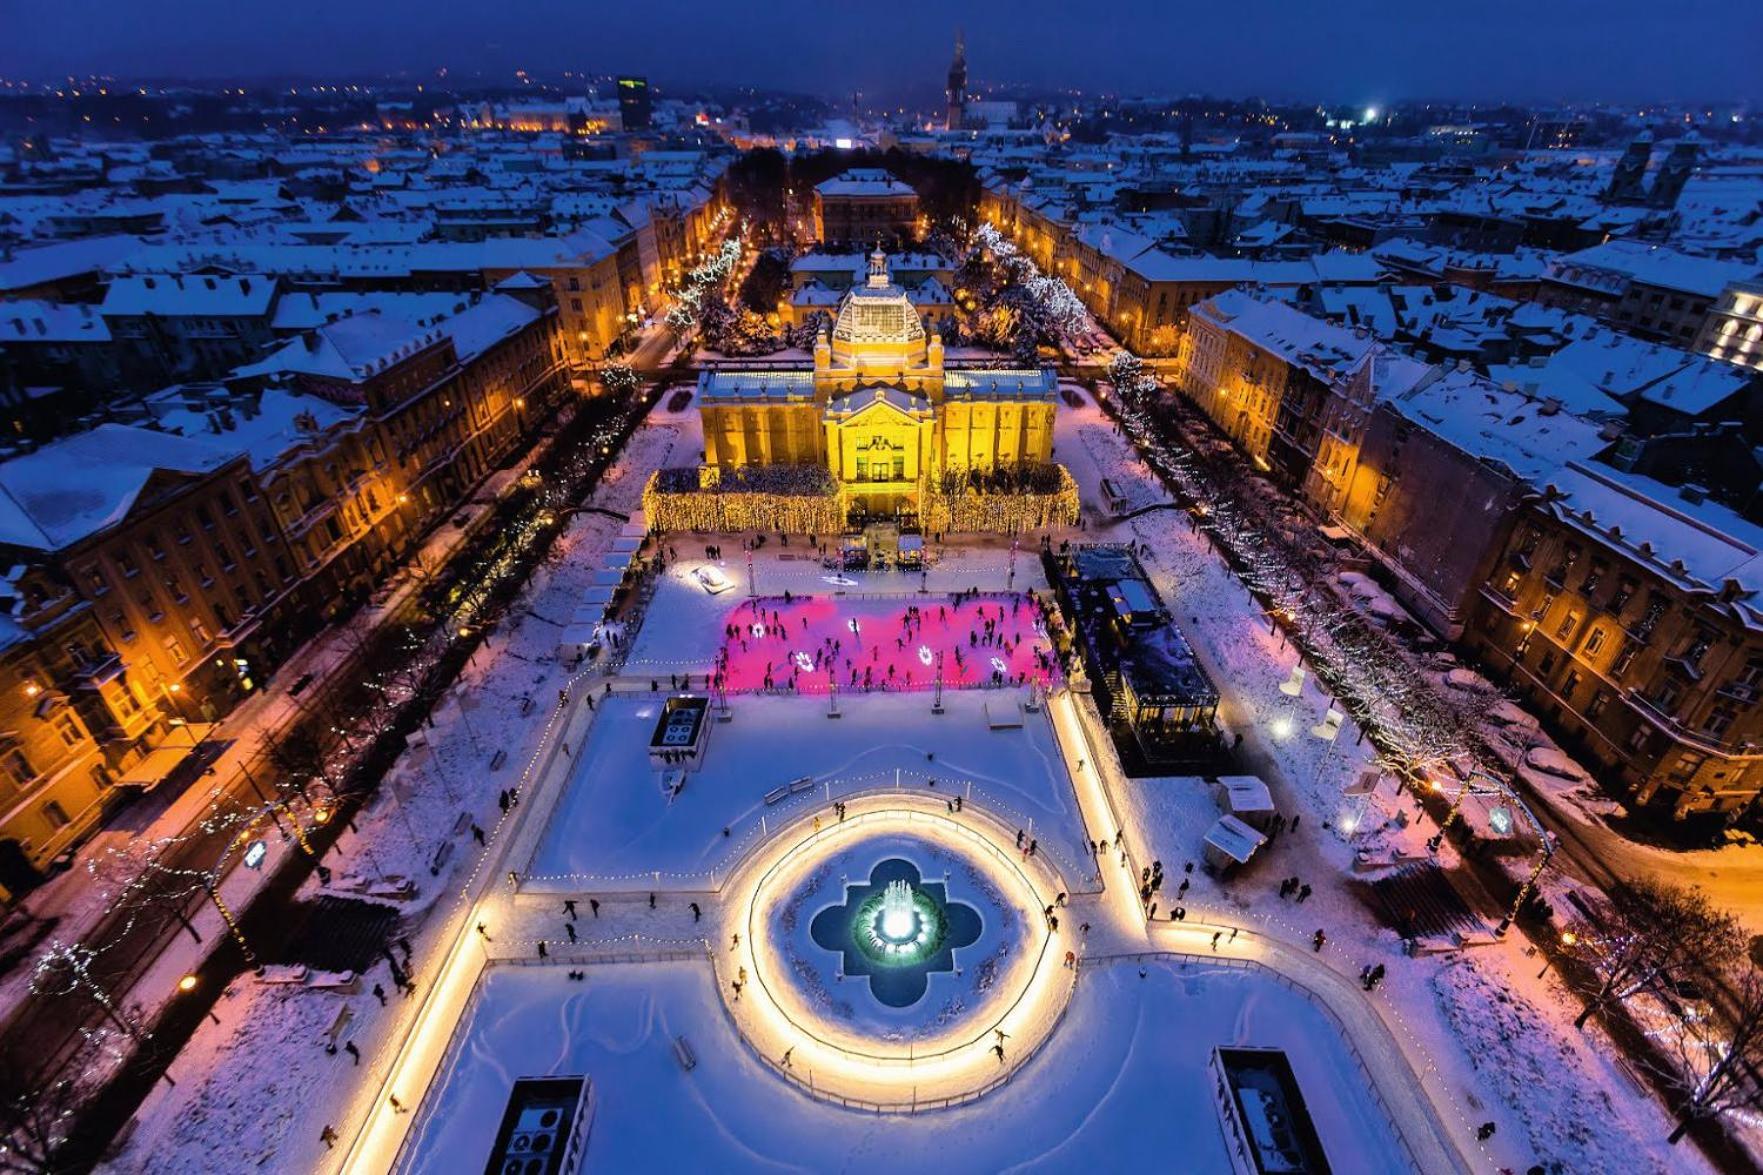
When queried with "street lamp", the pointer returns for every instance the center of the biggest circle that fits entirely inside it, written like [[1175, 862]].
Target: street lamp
[[1568, 939], [190, 983]]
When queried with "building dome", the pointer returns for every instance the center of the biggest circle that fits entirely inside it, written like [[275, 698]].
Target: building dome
[[877, 322]]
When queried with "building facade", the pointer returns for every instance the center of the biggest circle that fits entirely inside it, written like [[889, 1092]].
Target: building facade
[[1626, 613], [879, 409]]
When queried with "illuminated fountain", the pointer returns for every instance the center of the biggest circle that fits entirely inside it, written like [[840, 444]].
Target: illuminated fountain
[[897, 929]]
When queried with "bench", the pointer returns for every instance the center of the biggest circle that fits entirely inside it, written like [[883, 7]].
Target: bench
[[499, 758], [682, 1052], [776, 794], [801, 785]]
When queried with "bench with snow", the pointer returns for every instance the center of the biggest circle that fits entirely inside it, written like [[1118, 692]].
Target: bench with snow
[[1367, 861], [393, 886], [284, 973], [499, 758], [334, 980], [682, 1052], [443, 854], [1004, 717], [784, 791]]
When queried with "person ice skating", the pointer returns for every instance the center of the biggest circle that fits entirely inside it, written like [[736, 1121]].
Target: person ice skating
[[569, 907], [696, 913], [1485, 1131], [1182, 890], [379, 991], [594, 905], [349, 1047], [651, 901], [1033, 845], [543, 953], [1317, 940], [477, 834], [569, 929]]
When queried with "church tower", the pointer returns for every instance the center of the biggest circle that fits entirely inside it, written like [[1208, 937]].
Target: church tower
[[1675, 172], [957, 90], [1626, 186]]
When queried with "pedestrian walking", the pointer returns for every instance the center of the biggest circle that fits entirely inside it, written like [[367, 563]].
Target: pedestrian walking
[[1303, 892], [349, 1047], [1317, 940], [1215, 937], [477, 834], [379, 991], [328, 1136], [483, 934], [397, 1106], [1019, 839], [787, 1054], [1485, 1131]]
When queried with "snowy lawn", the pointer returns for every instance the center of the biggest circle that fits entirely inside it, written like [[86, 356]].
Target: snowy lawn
[[616, 828], [1122, 1083]]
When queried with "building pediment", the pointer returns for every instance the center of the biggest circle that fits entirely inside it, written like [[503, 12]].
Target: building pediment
[[879, 402]]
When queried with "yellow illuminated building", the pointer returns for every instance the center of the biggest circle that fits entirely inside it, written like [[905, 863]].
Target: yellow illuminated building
[[879, 409]]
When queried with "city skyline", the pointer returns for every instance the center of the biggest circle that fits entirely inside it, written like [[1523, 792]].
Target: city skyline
[[1572, 51]]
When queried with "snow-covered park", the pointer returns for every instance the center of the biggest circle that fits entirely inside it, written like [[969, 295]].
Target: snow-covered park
[[1122, 1084], [604, 926], [616, 828]]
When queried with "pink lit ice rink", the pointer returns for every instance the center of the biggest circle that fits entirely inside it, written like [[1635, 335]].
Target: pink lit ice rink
[[776, 645]]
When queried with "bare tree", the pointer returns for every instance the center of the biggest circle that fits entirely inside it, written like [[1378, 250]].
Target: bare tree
[[37, 1115], [1718, 1057], [1648, 930]]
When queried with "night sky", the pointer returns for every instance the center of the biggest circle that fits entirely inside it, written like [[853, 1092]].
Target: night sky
[[1342, 50]]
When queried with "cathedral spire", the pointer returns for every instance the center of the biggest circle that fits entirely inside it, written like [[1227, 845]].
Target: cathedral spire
[[957, 89]]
